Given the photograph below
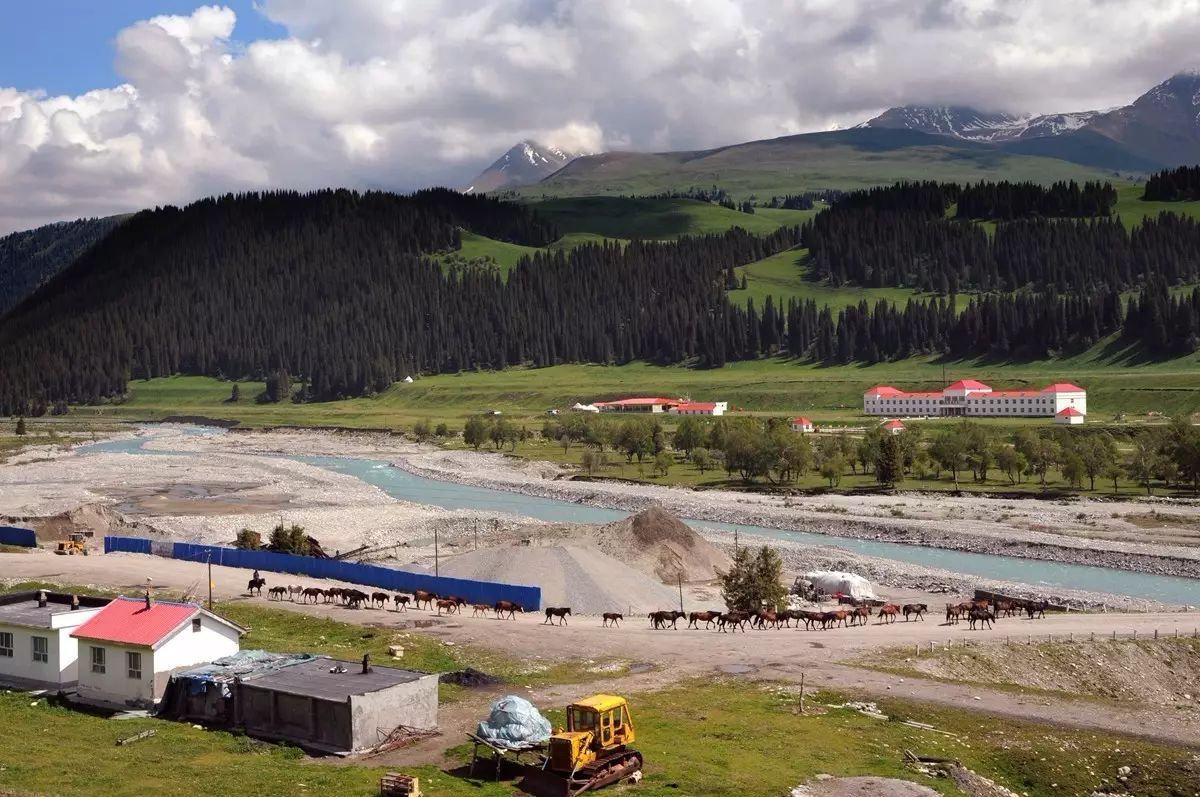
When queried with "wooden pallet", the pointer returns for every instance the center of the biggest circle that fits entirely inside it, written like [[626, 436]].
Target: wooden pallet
[[394, 784]]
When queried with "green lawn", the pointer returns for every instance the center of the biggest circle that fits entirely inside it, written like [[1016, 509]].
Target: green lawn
[[505, 255], [785, 276], [1133, 209], [718, 737]]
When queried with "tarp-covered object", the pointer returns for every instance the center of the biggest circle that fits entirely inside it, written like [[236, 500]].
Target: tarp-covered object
[[514, 723], [832, 582]]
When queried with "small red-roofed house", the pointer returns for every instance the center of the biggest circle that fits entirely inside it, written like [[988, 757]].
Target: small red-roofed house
[[1069, 417], [129, 649], [802, 424], [894, 426]]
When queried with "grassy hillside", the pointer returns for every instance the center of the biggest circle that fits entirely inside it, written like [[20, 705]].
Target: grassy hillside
[[785, 276], [639, 217], [1133, 209], [842, 159]]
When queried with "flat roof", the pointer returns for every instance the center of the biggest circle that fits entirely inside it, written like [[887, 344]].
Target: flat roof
[[21, 608], [314, 679]]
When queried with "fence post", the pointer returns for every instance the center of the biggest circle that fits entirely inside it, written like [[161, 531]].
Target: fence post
[[917, 652], [1156, 633]]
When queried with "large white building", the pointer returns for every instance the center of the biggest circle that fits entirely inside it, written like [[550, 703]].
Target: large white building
[[37, 650], [129, 649], [969, 397]]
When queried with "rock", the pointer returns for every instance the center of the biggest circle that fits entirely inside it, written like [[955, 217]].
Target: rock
[[1124, 770], [396, 651], [823, 776]]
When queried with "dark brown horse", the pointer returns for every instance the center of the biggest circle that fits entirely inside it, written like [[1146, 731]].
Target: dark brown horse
[[423, 597], [861, 614], [561, 612], [660, 619], [450, 606], [735, 619], [982, 617], [508, 607], [612, 617], [914, 609], [256, 585], [381, 598], [401, 602]]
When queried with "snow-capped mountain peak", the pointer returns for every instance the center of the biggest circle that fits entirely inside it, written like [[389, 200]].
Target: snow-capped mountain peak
[[527, 162]]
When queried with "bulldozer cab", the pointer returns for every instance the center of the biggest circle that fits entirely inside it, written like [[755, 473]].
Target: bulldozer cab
[[606, 717]]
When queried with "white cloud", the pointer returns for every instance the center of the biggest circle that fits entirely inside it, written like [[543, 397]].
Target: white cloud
[[399, 93]]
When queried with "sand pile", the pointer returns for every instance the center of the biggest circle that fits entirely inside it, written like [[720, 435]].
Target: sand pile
[[656, 541], [588, 581]]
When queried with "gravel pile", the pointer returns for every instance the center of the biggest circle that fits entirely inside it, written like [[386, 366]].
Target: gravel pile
[[588, 581]]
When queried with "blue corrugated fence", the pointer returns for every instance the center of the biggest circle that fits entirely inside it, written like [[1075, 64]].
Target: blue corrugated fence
[[126, 545], [15, 535], [351, 572]]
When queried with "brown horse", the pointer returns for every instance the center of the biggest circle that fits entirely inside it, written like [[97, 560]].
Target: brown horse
[[837, 616], [561, 613], [450, 606], [888, 613], [917, 609], [381, 598], [982, 617], [256, 585], [276, 593], [311, 592], [425, 597], [401, 602], [612, 617], [480, 608], [660, 619], [861, 614], [509, 607], [763, 618], [708, 618], [735, 619], [810, 619]]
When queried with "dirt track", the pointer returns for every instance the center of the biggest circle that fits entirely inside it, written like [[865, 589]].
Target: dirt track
[[782, 655]]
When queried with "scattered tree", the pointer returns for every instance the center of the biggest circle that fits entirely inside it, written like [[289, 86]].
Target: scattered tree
[[754, 580]]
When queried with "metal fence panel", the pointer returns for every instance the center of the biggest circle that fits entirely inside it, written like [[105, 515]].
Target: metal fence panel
[[16, 535], [126, 545]]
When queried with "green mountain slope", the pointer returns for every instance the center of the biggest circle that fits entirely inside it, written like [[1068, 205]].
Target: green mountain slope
[[842, 159]]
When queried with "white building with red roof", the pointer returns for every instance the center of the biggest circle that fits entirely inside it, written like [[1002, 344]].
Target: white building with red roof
[[699, 408], [640, 404], [802, 424], [1069, 417], [129, 649], [972, 398], [894, 426]]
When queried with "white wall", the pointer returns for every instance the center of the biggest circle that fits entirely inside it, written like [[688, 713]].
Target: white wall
[[61, 669], [185, 648]]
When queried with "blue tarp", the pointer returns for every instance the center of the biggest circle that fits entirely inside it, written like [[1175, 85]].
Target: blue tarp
[[388, 578], [15, 535]]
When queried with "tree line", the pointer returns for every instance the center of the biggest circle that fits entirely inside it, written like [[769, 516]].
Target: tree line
[[900, 237], [768, 451], [1174, 185], [1005, 201]]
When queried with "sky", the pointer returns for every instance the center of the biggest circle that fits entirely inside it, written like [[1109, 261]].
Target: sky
[[110, 106]]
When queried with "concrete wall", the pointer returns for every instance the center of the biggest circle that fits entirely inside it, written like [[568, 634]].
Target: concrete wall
[[187, 648], [305, 720], [414, 704]]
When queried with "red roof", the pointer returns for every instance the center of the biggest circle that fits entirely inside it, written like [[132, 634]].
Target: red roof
[[636, 402], [1015, 393], [884, 390], [801, 421], [968, 384], [1063, 387], [696, 406], [897, 424], [1070, 412], [127, 621]]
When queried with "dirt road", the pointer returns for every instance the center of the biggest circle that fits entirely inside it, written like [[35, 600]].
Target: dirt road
[[782, 655]]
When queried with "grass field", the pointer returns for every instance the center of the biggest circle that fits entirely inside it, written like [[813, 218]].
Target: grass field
[[834, 393], [623, 217]]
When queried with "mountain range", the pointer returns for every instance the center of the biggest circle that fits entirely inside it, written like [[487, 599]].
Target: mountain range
[[1160, 129]]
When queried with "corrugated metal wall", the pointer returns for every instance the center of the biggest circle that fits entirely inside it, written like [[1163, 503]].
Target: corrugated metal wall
[[15, 535]]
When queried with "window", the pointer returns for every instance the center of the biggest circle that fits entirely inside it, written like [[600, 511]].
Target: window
[[6, 644], [195, 625], [133, 662], [41, 649], [98, 660]]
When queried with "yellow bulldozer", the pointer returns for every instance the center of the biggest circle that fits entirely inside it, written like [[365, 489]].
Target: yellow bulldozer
[[592, 752], [75, 544]]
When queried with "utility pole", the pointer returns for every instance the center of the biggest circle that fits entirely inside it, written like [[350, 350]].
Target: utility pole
[[435, 552], [210, 605], [679, 576], [735, 542], [476, 525]]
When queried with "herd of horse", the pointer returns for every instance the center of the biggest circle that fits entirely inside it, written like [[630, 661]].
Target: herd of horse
[[850, 613]]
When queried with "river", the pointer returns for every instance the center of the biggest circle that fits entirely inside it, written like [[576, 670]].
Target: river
[[421, 490]]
